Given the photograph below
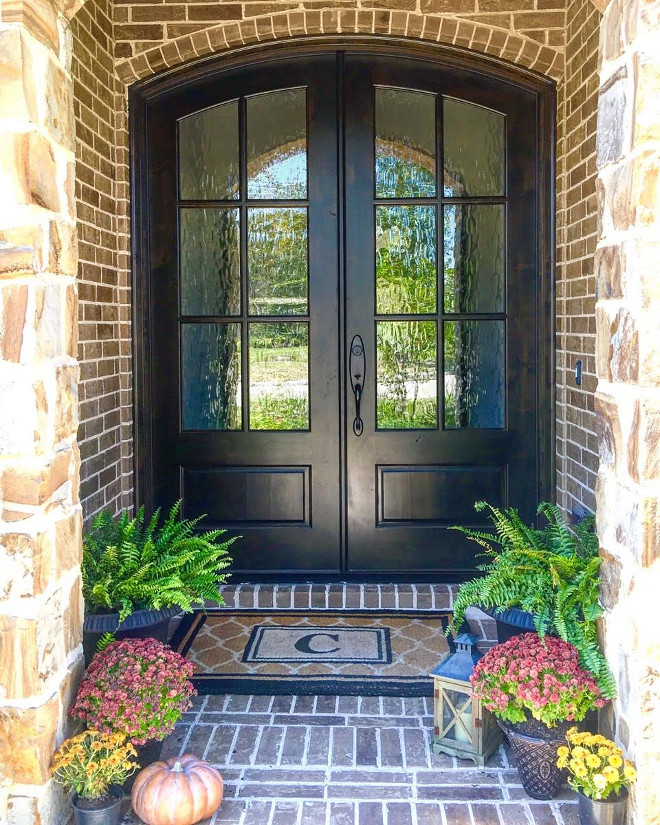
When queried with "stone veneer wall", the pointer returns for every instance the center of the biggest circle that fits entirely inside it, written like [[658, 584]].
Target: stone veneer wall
[[577, 447], [628, 366], [40, 515], [100, 334]]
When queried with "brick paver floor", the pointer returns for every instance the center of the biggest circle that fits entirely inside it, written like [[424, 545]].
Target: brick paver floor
[[327, 760]]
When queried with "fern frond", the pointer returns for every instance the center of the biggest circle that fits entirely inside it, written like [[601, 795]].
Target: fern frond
[[131, 564], [553, 573]]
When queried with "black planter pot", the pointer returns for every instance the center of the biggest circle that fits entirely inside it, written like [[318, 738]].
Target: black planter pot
[[108, 814], [146, 754], [510, 622], [141, 624], [535, 747]]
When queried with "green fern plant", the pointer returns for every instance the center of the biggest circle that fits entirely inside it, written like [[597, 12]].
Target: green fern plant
[[129, 564], [552, 573]]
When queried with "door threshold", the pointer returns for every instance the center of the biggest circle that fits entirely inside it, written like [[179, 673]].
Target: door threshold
[[339, 596]]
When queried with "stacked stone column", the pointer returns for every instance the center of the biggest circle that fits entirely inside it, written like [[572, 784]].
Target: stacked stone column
[[40, 520], [628, 363]]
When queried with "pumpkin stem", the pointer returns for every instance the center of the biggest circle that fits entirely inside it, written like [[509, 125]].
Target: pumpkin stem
[[177, 767]]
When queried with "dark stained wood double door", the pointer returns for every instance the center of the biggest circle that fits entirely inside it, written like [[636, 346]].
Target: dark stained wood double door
[[342, 342]]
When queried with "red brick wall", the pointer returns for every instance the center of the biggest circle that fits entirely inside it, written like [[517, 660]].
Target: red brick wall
[[577, 448], [99, 311]]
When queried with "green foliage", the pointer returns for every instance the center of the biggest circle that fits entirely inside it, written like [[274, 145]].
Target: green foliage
[[279, 412], [132, 565], [552, 573]]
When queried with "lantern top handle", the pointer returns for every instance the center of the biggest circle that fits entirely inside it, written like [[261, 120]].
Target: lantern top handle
[[460, 664]]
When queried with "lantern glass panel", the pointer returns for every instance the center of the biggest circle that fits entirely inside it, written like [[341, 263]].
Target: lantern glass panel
[[457, 716]]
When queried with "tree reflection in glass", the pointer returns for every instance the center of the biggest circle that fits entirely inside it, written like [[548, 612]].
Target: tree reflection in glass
[[277, 261], [405, 259]]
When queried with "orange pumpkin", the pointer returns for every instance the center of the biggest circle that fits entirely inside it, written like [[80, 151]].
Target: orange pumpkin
[[179, 791]]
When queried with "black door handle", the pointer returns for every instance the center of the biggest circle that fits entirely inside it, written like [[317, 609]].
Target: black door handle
[[357, 367]]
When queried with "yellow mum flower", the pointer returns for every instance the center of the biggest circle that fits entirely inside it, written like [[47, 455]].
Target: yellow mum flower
[[581, 772], [615, 760], [575, 765], [562, 762], [604, 751], [629, 772], [610, 773], [599, 781], [592, 760], [562, 751], [579, 752]]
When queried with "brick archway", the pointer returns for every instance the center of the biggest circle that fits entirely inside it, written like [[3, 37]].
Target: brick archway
[[445, 30]]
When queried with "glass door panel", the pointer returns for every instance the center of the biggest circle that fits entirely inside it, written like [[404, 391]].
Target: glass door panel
[[211, 372], [406, 276], [429, 217], [277, 261], [474, 150], [406, 369], [210, 261], [277, 145], [279, 376], [405, 144], [208, 154], [216, 281]]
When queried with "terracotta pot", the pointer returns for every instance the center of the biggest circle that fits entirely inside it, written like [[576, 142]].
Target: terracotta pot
[[610, 811], [535, 747], [141, 624], [107, 812]]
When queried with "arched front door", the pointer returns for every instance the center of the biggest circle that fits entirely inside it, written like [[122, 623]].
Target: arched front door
[[339, 285]]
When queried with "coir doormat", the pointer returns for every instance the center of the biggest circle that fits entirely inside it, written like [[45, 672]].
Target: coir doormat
[[370, 653]]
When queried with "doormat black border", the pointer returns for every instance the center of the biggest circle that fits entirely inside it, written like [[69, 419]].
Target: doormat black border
[[210, 684]]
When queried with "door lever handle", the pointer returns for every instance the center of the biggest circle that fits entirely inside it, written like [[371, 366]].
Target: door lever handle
[[357, 367]]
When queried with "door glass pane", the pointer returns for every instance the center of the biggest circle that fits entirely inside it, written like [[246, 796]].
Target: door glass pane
[[277, 145], [279, 376], [474, 374], [208, 154], [474, 258], [473, 150], [211, 376], [277, 261], [407, 386], [405, 259], [405, 144], [210, 262]]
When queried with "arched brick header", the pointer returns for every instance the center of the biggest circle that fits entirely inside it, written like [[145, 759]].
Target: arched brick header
[[474, 36]]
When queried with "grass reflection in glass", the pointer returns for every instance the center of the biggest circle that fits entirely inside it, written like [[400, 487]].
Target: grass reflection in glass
[[279, 383]]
